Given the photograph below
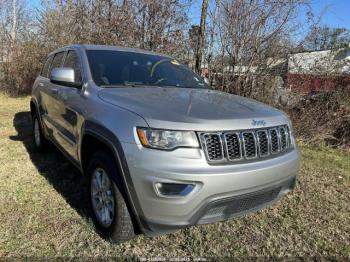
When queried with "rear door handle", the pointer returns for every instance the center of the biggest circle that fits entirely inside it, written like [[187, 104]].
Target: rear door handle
[[41, 84], [54, 91]]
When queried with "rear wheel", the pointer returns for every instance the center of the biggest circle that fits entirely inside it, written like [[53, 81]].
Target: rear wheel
[[109, 210], [40, 141]]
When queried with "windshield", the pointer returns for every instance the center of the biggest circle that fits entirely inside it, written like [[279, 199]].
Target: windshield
[[115, 68]]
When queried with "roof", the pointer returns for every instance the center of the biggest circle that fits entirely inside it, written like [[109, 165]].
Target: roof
[[322, 50], [112, 48]]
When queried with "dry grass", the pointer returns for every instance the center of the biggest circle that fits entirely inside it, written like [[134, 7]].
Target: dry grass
[[42, 211], [323, 118]]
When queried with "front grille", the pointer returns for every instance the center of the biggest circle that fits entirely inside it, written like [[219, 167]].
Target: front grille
[[245, 145], [284, 137], [249, 144], [233, 145], [227, 208], [263, 142], [213, 146], [274, 141], [239, 205]]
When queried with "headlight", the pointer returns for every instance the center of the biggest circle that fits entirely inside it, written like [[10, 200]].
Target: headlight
[[166, 139], [291, 133]]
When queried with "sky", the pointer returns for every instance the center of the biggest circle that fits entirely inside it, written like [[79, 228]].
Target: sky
[[334, 13]]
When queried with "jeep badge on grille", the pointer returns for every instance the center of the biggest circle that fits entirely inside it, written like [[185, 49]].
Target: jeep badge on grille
[[258, 123]]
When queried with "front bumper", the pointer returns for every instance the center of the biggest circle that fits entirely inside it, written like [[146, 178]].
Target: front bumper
[[221, 191]]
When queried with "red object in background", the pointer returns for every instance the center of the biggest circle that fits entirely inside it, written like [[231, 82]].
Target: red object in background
[[309, 83], [205, 72]]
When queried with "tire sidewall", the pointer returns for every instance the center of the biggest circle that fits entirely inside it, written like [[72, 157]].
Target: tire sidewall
[[101, 161], [39, 147]]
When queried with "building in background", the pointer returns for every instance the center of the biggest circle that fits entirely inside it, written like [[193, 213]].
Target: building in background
[[319, 70]]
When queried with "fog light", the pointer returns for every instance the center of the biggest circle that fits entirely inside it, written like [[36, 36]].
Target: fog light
[[173, 189]]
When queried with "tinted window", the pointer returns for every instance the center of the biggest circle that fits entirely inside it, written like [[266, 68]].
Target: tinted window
[[72, 61], [46, 67], [57, 61], [111, 68]]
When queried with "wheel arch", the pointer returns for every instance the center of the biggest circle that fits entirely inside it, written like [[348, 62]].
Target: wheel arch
[[35, 110], [95, 136], [33, 107]]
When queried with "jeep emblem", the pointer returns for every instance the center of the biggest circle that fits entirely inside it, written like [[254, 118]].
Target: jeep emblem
[[258, 122]]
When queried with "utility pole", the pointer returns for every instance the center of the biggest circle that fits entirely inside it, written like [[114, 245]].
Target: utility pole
[[201, 36]]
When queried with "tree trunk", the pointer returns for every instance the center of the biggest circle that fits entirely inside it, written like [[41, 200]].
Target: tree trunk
[[14, 21], [201, 36]]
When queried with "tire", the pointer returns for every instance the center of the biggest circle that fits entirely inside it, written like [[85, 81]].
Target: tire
[[40, 142], [109, 211]]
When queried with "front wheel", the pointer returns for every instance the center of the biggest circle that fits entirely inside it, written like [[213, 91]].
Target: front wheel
[[109, 210], [40, 141]]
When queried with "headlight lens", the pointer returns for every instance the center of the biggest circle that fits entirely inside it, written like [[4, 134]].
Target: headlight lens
[[166, 139], [292, 138]]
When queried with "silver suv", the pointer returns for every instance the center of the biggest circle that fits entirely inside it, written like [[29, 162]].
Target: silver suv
[[162, 150]]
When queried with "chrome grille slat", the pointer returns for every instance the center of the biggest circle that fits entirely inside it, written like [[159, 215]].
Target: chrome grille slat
[[263, 143], [283, 137], [233, 146], [275, 141], [246, 144], [214, 148], [288, 136], [249, 144]]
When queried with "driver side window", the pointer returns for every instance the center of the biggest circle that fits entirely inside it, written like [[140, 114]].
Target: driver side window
[[57, 61], [72, 61], [46, 67]]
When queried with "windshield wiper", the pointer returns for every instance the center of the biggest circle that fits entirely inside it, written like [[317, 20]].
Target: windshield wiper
[[116, 86], [127, 84], [138, 84], [180, 86]]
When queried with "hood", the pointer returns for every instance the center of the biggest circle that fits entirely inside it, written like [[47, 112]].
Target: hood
[[193, 109]]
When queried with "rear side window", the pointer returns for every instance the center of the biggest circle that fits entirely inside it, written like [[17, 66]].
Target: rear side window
[[57, 60], [46, 67], [72, 61]]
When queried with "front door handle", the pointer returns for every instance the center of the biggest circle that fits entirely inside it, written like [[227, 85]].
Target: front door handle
[[54, 91], [41, 84]]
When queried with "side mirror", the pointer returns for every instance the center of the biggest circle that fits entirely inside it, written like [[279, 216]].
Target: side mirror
[[64, 76], [206, 80]]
